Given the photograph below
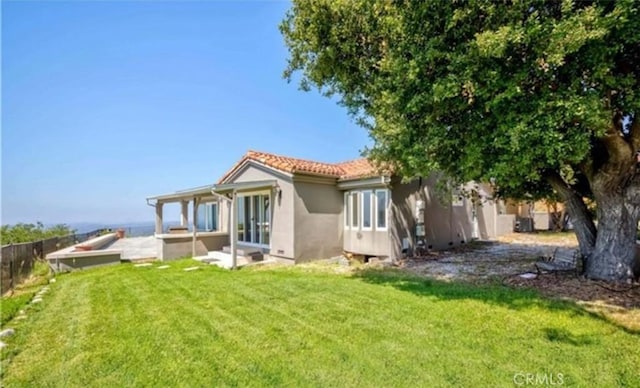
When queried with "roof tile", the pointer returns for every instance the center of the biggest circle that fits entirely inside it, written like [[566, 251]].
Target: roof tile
[[353, 169]]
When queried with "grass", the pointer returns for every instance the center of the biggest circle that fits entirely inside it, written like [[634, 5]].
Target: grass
[[13, 302], [304, 326]]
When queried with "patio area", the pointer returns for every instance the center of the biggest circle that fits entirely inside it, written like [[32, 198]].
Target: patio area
[[145, 248], [136, 248], [245, 256]]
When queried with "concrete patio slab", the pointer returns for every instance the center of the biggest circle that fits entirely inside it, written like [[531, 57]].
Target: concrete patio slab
[[136, 248]]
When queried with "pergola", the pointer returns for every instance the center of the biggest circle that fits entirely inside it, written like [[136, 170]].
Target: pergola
[[222, 193]]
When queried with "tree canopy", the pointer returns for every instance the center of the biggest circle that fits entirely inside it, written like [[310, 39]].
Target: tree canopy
[[533, 95]]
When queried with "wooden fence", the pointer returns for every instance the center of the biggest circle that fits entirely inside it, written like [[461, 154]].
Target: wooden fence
[[17, 260]]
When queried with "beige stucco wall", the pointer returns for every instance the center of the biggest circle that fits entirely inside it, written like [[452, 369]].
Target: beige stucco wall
[[505, 224], [282, 208], [175, 246], [214, 242], [64, 264], [542, 220], [486, 212], [318, 212], [539, 211], [446, 224], [367, 242]]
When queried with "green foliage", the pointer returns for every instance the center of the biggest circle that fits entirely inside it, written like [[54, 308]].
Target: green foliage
[[301, 326], [21, 233], [11, 305], [480, 90]]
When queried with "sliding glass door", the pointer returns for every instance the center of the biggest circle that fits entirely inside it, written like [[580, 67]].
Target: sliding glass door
[[254, 219]]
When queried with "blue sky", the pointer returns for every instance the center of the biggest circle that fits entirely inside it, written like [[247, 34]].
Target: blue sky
[[107, 103]]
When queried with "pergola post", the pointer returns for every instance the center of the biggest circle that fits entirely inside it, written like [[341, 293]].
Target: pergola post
[[184, 214], [194, 227], [159, 218]]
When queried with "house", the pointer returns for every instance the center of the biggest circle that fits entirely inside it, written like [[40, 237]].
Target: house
[[536, 215], [297, 210]]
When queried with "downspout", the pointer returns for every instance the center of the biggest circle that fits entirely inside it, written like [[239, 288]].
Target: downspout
[[234, 230]]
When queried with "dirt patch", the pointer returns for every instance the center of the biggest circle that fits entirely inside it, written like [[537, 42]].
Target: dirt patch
[[483, 260]]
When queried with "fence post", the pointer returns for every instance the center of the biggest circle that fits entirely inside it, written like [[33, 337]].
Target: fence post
[[13, 266], [11, 274]]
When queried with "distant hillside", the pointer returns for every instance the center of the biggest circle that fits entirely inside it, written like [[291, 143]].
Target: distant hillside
[[131, 228]]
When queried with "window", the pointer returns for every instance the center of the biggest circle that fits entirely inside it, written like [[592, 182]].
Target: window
[[248, 219], [367, 208], [354, 209], [254, 218], [346, 210], [240, 218], [201, 217], [213, 216], [207, 217], [382, 198]]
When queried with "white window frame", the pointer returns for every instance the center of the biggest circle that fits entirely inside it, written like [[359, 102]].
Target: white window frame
[[362, 209], [352, 219], [215, 215], [252, 211], [386, 209], [347, 210], [205, 211]]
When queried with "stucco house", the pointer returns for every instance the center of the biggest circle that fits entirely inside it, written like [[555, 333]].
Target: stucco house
[[297, 210]]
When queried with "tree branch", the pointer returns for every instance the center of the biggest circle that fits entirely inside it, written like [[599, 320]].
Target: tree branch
[[618, 164], [620, 151], [634, 133]]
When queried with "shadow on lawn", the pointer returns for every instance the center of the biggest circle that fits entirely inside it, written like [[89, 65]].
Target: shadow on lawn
[[565, 336], [442, 290], [517, 299]]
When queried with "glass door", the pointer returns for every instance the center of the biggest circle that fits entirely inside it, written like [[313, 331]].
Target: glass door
[[248, 220], [266, 219], [254, 219]]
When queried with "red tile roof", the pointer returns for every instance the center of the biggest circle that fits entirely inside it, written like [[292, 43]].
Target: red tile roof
[[353, 169], [358, 168]]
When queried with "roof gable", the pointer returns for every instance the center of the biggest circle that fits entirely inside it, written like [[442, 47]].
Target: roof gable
[[353, 169]]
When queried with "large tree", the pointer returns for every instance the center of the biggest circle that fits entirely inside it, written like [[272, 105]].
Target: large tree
[[537, 96]]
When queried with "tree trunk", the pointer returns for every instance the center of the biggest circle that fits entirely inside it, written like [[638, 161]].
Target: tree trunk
[[582, 223], [614, 256]]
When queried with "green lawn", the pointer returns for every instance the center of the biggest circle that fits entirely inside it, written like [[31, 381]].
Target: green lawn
[[126, 326], [23, 292]]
